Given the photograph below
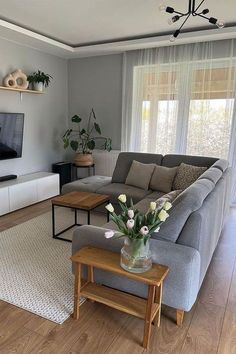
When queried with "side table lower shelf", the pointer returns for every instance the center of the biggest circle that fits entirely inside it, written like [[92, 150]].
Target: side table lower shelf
[[118, 300]]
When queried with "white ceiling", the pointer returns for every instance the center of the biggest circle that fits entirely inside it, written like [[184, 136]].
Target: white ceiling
[[85, 22]]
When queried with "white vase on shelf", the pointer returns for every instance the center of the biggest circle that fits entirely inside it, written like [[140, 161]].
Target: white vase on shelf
[[38, 86]]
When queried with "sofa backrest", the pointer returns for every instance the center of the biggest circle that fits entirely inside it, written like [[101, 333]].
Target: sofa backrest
[[125, 160], [190, 200], [175, 160]]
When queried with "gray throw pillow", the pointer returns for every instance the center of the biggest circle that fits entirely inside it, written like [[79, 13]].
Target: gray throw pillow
[[186, 175], [169, 197], [140, 174], [162, 178]]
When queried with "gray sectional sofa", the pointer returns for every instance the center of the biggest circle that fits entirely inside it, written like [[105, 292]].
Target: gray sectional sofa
[[187, 239]]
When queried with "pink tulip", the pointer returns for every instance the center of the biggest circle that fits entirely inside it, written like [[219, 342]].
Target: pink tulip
[[130, 213], [144, 230], [109, 234], [130, 224]]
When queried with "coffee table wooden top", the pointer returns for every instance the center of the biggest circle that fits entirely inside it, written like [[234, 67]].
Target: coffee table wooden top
[[81, 200], [110, 261]]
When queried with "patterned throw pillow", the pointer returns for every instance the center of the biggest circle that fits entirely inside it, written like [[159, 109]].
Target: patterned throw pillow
[[187, 175]]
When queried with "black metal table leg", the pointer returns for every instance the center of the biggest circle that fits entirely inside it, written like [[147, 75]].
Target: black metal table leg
[[88, 217], [108, 213], [75, 216], [53, 220]]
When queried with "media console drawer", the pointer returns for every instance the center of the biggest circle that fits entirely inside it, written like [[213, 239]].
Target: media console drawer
[[28, 189], [22, 194], [4, 201]]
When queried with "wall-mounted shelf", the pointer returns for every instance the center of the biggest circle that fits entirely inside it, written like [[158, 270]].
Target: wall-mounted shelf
[[20, 90]]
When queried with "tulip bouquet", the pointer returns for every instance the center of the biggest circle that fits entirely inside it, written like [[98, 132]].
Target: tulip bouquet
[[137, 229]]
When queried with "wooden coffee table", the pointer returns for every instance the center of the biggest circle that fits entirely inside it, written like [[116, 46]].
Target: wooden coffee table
[[78, 201], [149, 310]]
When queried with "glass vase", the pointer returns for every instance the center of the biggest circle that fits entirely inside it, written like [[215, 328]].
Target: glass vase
[[136, 256]]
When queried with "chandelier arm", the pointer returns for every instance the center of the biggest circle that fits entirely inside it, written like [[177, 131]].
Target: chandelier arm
[[190, 6], [193, 6], [199, 6], [180, 13], [200, 15], [184, 22]]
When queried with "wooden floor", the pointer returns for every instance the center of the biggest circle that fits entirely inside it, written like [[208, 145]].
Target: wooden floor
[[210, 327]]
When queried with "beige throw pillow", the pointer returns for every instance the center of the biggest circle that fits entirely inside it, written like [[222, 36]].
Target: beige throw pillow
[[186, 175], [139, 175], [162, 178]]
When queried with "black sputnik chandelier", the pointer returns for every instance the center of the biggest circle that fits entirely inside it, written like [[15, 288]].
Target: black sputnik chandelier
[[193, 10]]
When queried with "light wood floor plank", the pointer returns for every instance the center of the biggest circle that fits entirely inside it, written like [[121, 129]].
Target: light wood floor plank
[[204, 332], [228, 336]]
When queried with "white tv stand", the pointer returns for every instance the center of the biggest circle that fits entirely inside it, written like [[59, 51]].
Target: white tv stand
[[28, 189]]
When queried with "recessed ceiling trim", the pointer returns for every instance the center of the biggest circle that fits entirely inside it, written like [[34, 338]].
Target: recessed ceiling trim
[[19, 29], [26, 37]]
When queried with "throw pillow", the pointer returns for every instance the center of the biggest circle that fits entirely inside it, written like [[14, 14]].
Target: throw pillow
[[169, 197], [162, 178], [140, 174], [186, 175]]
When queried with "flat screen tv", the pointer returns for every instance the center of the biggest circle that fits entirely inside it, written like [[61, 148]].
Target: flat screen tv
[[11, 135]]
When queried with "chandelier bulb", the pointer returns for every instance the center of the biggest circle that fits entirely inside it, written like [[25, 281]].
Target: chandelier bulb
[[172, 38], [162, 7], [173, 19], [220, 23]]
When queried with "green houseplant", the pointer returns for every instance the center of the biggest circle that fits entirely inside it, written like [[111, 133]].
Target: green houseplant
[[39, 80], [84, 139]]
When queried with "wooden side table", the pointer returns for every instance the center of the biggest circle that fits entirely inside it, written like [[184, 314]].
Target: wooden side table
[[149, 310]]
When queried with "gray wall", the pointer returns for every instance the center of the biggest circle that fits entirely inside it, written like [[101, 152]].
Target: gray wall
[[45, 115], [97, 82]]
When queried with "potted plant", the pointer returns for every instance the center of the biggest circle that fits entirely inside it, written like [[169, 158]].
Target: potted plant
[[83, 140], [137, 228], [39, 80]]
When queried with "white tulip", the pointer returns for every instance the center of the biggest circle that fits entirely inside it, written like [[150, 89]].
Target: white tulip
[[167, 205], [130, 213], [153, 206], [144, 230], [110, 208], [109, 234], [122, 198], [130, 224], [163, 215]]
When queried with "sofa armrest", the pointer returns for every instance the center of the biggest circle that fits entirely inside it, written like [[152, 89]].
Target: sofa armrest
[[182, 283]]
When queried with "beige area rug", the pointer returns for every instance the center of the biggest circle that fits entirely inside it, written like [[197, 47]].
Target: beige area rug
[[35, 269]]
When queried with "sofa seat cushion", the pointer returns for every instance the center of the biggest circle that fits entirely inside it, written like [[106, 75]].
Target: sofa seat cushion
[[154, 196], [186, 175], [162, 178], [88, 184], [115, 189]]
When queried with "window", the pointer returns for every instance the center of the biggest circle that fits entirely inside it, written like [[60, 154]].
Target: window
[[185, 108]]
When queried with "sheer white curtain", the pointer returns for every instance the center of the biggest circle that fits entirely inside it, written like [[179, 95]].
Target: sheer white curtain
[[181, 99]]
